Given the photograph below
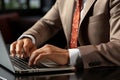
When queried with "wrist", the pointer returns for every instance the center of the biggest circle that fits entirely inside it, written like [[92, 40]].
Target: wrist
[[73, 55]]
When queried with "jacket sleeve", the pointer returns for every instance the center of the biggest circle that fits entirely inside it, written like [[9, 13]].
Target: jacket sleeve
[[105, 54], [46, 27]]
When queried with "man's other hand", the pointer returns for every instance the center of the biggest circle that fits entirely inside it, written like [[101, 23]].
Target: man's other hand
[[22, 48], [58, 55]]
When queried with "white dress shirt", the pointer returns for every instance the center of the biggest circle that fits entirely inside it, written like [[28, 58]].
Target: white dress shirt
[[73, 53]]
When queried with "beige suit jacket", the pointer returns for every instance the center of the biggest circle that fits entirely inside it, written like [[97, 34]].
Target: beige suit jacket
[[99, 31]]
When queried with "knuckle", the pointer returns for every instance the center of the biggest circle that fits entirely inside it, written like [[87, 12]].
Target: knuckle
[[27, 40], [18, 51], [13, 44], [33, 52], [47, 45], [25, 46], [18, 41], [48, 49]]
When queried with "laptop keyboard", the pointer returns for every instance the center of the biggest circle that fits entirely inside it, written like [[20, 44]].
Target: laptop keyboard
[[23, 64]]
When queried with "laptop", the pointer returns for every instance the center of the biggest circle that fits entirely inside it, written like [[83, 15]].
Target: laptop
[[20, 66], [54, 76]]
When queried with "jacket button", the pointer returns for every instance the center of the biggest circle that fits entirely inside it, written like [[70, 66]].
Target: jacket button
[[91, 64]]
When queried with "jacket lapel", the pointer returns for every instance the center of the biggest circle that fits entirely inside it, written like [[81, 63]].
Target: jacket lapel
[[69, 16], [87, 7]]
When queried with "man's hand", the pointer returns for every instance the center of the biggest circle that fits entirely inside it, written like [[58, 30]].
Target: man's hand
[[58, 55], [22, 48]]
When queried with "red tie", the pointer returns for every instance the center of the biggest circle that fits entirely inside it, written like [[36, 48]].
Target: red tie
[[75, 24]]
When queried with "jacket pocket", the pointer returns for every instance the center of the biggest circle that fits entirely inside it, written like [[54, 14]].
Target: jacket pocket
[[98, 29]]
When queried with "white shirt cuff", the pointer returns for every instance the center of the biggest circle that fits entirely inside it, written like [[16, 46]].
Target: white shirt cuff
[[74, 54], [29, 36]]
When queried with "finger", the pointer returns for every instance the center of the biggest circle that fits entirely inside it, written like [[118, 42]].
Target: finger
[[32, 57], [12, 49], [38, 58], [19, 48], [24, 54], [27, 46], [32, 50]]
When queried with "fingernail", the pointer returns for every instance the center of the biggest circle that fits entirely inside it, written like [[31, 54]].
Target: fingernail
[[18, 55], [35, 62], [29, 63], [12, 55], [21, 56]]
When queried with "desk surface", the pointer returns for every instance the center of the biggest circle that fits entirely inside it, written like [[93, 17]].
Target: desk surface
[[90, 74], [112, 73]]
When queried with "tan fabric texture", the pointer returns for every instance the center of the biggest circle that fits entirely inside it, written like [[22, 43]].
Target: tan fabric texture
[[99, 31]]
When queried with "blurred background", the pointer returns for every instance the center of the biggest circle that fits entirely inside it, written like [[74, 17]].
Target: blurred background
[[16, 16]]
